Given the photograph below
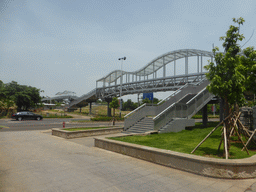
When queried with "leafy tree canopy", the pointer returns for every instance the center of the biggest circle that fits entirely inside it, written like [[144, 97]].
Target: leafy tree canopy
[[114, 103], [24, 96], [129, 105], [231, 76]]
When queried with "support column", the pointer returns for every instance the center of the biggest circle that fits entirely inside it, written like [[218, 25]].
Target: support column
[[198, 64], [205, 116], [186, 66], [164, 72], [108, 100], [221, 109], [138, 99], [90, 111], [154, 71], [164, 68], [174, 64], [201, 66], [109, 110]]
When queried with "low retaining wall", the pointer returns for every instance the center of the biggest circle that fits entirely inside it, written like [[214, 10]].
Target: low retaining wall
[[85, 133], [220, 168]]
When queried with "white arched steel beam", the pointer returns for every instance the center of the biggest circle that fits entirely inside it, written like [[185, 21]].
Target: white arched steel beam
[[157, 63]]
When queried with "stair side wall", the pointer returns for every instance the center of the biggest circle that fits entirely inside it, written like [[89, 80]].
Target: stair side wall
[[177, 125]]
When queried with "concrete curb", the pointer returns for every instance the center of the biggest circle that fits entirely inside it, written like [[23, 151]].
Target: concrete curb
[[211, 167], [84, 133]]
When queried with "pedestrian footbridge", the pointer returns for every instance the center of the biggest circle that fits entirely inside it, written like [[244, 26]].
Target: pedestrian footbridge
[[181, 71]]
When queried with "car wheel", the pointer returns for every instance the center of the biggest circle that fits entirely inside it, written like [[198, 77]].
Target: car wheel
[[19, 118], [38, 118]]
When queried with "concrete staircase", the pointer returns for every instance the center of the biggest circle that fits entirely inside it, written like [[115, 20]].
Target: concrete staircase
[[172, 114], [177, 125], [144, 125], [185, 99]]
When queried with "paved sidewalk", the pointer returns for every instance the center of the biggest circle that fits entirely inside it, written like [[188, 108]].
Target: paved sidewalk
[[36, 161]]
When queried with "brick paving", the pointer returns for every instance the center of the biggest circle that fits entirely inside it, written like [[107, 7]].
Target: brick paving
[[37, 161]]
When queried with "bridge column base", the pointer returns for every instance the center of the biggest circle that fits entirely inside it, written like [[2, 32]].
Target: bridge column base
[[90, 111], [109, 109], [205, 116]]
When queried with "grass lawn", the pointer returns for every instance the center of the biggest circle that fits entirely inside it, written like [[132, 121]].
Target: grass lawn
[[201, 116], [186, 140], [83, 128], [80, 121], [56, 116], [100, 110]]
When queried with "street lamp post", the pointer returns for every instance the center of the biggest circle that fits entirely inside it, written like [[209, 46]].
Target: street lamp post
[[121, 83]]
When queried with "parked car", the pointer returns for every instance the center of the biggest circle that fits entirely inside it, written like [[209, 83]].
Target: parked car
[[26, 115]]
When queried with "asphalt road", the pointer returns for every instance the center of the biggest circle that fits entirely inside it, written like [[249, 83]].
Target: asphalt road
[[45, 124]]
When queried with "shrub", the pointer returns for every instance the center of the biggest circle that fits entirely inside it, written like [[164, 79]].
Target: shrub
[[105, 118]]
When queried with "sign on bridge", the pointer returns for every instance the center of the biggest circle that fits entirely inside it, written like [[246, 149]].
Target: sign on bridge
[[150, 96]]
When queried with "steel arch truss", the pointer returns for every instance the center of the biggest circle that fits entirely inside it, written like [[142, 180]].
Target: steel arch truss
[[157, 63], [140, 83]]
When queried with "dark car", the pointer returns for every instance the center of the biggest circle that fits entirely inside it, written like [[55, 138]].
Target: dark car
[[26, 115]]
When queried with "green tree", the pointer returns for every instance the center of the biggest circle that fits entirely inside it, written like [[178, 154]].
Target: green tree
[[228, 76], [248, 68], [114, 104], [129, 105], [146, 100], [155, 100], [25, 97], [227, 81]]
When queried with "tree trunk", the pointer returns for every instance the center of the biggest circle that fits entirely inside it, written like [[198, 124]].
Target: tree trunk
[[227, 123]]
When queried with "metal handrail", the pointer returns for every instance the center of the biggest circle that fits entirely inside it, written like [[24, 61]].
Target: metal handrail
[[201, 81], [135, 110], [88, 93], [156, 117], [176, 92], [81, 97], [196, 96]]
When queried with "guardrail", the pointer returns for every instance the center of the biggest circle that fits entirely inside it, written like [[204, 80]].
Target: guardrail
[[179, 110], [176, 110], [173, 94], [141, 112], [138, 108], [84, 96], [163, 107]]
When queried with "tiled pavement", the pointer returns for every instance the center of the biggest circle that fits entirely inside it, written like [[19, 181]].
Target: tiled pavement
[[36, 161]]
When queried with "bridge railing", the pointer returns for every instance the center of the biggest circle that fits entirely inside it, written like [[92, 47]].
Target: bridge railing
[[139, 113], [172, 95], [83, 97], [143, 111], [171, 83], [180, 110], [197, 102], [184, 90], [176, 110]]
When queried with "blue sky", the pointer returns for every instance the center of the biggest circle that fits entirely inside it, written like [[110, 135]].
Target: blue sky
[[69, 44]]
